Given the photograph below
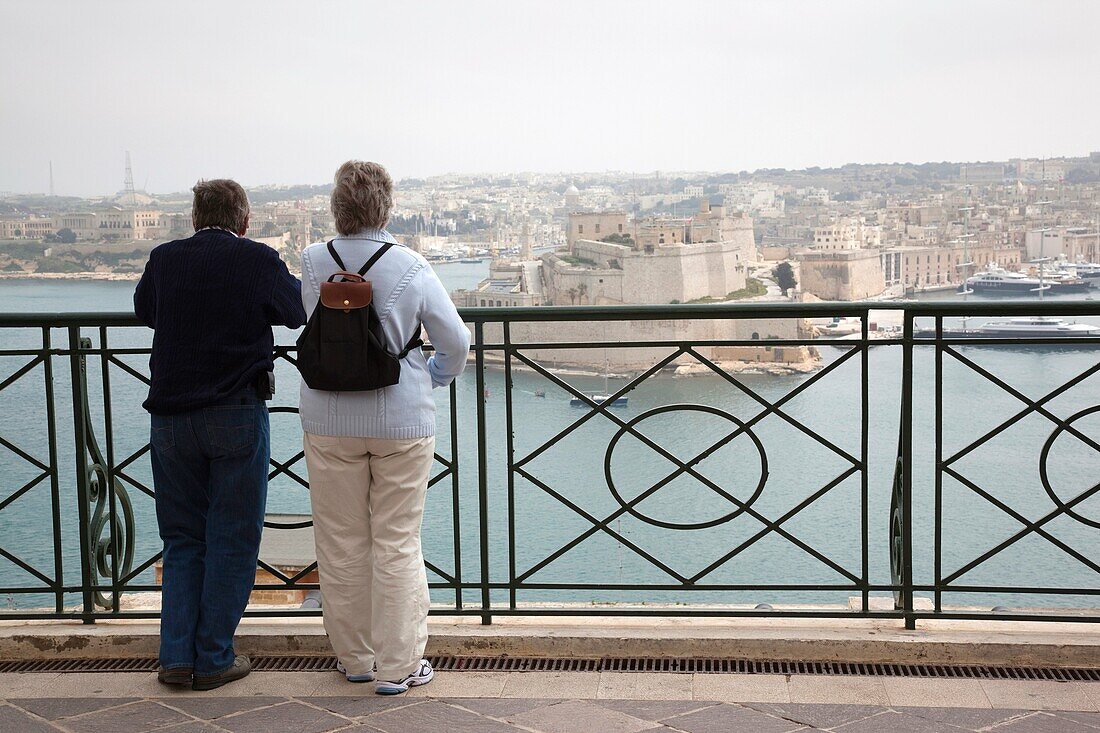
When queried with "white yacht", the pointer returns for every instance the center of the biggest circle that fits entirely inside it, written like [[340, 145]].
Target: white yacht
[[996, 281], [1083, 270], [1026, 327], [1037, 326]]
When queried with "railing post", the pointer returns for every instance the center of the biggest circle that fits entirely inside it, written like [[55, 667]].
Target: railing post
[[906, 449], [80, 407], [482, 472]]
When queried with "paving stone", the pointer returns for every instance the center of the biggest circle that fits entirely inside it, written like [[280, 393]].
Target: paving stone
[[741, 687], [97, 684], [358, 707], [195, 726], [139, 716], [559, 685], [55, 708], [942, 693], [434, 715], [896, 722], [211, 708], [278, 684], [465, 684], [725, 718], [500, 707], [655, 710], [837, 690], [574, 715], [633, 686], [1092, 719], [14, 719], [291, 716], [28, 684], [1040, 695], [969, 718], [818, 715], [1044, 722]]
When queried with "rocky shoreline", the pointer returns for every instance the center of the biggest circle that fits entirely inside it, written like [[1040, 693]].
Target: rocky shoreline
[[102, 276]]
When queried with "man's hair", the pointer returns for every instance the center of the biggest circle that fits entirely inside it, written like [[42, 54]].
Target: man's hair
[[362, 197], [220, 203]]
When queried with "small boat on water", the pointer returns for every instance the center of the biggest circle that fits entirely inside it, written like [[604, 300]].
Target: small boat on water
[[599, 399], [1027, 327], [470, 260]]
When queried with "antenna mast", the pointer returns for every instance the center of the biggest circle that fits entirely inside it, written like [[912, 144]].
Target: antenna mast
[[130, 198]]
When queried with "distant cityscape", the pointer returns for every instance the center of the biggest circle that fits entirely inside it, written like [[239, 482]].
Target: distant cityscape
[[851, 233]]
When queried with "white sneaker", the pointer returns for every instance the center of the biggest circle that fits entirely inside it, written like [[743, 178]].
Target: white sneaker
[[422, 676], [368, 677]]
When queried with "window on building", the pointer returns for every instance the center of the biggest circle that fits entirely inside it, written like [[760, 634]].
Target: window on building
[[597, 227], [580, 229]]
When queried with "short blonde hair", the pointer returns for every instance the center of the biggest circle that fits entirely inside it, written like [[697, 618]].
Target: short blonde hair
[[362, 197]]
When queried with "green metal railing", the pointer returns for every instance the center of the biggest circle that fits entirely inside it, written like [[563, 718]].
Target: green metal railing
[[102, 482]]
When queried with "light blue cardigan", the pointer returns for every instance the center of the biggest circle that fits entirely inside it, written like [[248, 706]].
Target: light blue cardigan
[[407, 292]]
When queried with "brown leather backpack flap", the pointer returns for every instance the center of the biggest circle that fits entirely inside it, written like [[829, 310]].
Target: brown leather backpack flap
[[346, 295]]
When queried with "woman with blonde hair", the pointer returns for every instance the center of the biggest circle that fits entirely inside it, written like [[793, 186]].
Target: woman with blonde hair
[[369, 452]]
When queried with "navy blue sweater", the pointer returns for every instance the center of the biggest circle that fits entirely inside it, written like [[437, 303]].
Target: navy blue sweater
[[211, 301]]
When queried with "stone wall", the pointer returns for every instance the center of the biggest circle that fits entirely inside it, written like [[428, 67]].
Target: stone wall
[[842, 275], [666, 275], [625, 359]]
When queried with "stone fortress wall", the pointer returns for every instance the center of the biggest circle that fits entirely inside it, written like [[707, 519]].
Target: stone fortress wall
[[631, 359]]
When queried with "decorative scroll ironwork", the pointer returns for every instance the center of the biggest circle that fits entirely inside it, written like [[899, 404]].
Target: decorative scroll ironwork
[[110, 531], [897, 532]]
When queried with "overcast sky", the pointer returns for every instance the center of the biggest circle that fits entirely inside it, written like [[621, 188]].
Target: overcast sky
[[282, 92]]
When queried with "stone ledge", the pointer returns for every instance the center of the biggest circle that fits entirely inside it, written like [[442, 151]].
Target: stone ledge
[[858, 640]]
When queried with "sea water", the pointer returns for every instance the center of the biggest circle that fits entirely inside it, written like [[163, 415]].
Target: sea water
[[780, 467]]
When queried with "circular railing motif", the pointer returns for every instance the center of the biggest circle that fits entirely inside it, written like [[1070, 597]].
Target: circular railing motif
[[1066, 508], [631, 507]]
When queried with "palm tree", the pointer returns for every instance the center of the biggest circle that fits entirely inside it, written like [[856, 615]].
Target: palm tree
[[582, 291], [572, 293]]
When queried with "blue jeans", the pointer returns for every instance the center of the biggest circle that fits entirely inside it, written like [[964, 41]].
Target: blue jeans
[[210, 476]]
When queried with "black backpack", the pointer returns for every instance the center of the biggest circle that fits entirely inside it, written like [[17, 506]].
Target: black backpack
[[343, 347]]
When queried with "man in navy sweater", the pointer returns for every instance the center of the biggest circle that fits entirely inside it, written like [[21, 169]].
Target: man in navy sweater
[[211, 301]]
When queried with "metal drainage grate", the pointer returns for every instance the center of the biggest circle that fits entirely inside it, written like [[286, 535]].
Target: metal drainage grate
[[685, 665]]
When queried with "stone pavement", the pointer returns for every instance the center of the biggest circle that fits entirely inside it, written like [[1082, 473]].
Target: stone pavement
[[547, 702], [182, 714]]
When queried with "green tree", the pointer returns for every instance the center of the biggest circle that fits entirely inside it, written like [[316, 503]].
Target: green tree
[[784, 276], [66, 236]]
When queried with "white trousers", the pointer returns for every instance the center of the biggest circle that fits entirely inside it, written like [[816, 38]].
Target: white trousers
[[368, 504]]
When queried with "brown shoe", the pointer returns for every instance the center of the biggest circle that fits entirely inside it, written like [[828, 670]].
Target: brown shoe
[[174, 676], [240, 668]]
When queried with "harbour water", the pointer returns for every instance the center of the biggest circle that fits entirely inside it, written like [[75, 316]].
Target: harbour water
[[577, 467]]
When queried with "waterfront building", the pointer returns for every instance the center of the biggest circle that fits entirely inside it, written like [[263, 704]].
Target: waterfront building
[[672, 260], [594, 225], [842, 274], [1075, 244]]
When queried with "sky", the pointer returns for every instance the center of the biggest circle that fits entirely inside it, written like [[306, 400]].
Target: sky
[[278, 92]]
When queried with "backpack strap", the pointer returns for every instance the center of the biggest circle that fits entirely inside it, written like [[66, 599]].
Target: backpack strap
[[375, 257], [369, 264], [332, 253], [414, 343]]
